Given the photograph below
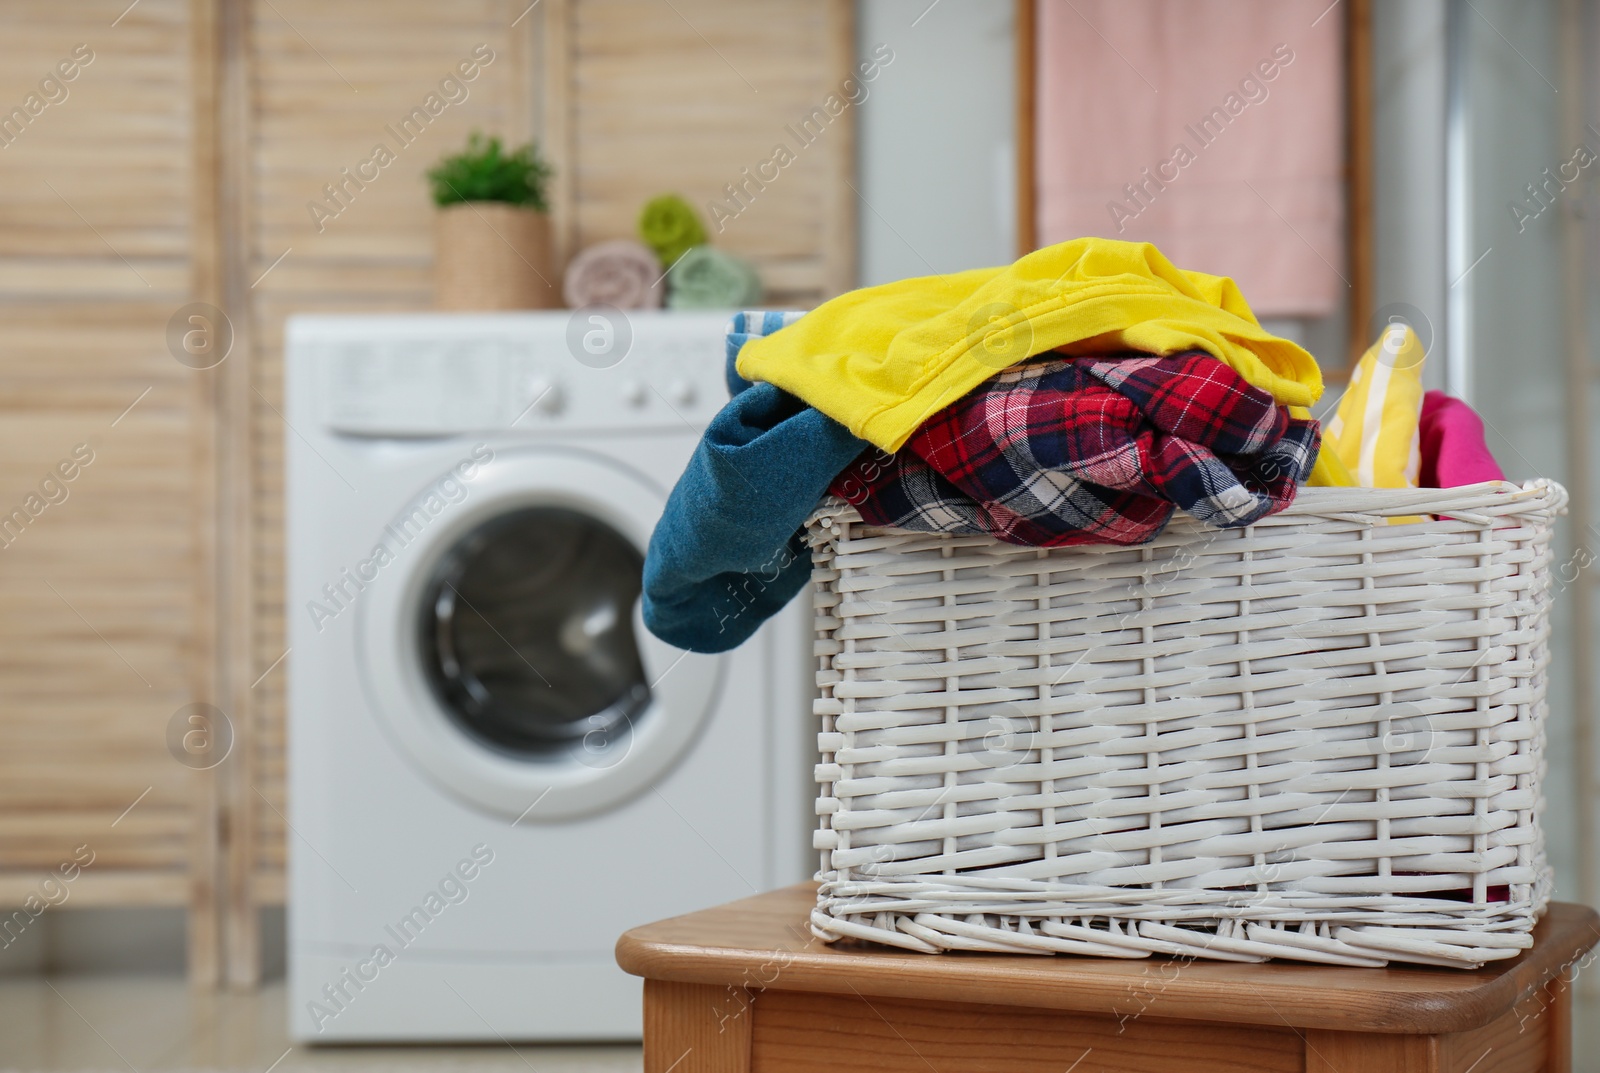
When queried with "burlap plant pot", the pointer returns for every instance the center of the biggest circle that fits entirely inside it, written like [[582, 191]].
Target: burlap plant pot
[[492, 255]]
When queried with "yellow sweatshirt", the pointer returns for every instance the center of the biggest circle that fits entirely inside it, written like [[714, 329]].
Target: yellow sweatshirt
[[882, 360]]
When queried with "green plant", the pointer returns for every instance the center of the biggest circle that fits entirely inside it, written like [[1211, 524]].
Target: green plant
[[483, 172]]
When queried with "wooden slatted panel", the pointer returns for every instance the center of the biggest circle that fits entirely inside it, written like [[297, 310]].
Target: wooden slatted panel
[[97, 592], [376, 254], [696, 95], [98, 644]]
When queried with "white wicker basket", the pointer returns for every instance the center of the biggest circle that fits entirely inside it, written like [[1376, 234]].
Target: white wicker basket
[[1319, 737]]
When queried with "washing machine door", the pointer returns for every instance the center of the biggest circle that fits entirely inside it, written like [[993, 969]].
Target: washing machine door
[[502, 647]]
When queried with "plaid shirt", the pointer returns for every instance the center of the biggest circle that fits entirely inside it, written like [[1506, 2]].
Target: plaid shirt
[[1092, 450]]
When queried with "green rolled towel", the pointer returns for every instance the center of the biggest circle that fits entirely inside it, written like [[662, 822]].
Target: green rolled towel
[[669, 225], [707, 278]]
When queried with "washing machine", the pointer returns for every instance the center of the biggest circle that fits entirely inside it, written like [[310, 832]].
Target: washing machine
[[494, 769]]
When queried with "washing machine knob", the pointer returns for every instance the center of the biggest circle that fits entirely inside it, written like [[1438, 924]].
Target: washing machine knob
[[544, 396], [635, 393], [681, 392]]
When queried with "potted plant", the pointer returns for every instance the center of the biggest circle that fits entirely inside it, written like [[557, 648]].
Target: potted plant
[[492, 229]]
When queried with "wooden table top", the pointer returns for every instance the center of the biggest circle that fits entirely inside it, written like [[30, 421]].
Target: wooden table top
[[765, 942]]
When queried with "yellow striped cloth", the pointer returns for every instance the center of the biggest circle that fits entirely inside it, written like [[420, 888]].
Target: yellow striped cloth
[[1375, 432]]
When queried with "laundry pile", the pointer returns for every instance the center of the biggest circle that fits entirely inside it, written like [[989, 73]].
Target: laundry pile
[[1079, 396], [1091, 451]]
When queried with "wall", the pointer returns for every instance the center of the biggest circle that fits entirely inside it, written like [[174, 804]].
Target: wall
[[1408, 67], [936, 138], [1518, 341], [138, 940]]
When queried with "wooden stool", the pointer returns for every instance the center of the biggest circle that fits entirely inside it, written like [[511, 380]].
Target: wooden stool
[[746, 987]]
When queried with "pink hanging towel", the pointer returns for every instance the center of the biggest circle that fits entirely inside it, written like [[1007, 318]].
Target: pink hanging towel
[[1214, 130], [1453, 448]]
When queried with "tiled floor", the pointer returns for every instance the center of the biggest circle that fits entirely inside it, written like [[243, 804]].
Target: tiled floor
[[158, 1025], [89, 1024]]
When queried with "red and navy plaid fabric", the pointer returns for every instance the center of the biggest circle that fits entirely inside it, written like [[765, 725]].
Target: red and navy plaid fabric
[[1090, 450]]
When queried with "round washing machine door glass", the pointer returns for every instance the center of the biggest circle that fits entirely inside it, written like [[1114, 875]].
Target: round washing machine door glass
[[526, 631], [504, 651]]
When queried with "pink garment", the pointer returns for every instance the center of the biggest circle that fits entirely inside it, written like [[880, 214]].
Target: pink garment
[[1218, 129], [1453, 448]]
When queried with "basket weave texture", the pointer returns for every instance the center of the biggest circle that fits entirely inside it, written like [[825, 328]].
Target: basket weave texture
[[1320, 737]]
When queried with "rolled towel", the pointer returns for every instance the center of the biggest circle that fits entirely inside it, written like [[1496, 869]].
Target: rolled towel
[[620, 273], [669, 225], [707, 278]]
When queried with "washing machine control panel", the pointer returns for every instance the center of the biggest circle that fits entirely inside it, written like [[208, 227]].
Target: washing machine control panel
[[579, 370]]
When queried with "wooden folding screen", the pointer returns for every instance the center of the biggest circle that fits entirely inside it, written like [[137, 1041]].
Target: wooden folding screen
[[174, 159]]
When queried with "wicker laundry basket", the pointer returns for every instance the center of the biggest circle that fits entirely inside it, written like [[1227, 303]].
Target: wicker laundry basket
[[1320, 737]]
